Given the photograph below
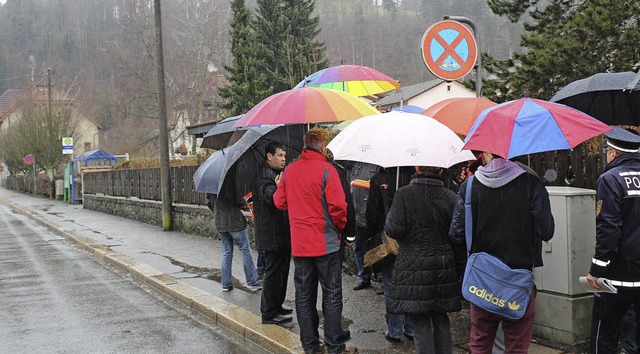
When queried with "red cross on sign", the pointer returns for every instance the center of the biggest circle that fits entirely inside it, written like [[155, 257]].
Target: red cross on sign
[[449, 50]]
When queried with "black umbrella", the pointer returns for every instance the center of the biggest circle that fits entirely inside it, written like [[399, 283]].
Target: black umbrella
[[605, 96], [243, 158], [223, 134]]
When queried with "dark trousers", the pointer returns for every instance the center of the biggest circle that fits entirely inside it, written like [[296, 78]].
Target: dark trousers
[[608, 311], [517, 334], [432, 333], [274, 282], [308, 272]]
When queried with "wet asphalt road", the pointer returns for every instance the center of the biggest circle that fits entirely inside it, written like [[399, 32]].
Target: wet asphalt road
[[55, 298]]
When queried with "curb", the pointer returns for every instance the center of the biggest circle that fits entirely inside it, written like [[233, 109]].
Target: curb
[[218, 311]]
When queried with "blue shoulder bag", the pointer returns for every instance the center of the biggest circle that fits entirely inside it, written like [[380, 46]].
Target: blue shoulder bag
[[491, 284]]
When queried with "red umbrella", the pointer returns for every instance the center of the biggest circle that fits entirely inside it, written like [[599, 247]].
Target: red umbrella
[[458, 113], [306, 105], [527, 125]]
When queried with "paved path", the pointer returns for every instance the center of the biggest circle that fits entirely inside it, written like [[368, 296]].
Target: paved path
[[187, 267]]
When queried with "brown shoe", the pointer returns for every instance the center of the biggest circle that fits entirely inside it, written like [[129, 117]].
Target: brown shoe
[[350, 350]]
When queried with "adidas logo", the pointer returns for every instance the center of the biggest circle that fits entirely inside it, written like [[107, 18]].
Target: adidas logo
[[483, 294]]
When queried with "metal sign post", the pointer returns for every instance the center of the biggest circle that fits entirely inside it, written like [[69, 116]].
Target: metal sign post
[[31, 160]]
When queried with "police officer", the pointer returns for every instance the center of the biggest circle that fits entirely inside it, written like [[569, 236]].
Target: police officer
[[617, 254]]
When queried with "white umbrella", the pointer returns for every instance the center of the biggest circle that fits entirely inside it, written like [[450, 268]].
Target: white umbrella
[[399, 139]]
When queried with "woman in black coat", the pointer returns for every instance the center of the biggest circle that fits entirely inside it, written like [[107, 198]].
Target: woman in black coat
[[427, 279]]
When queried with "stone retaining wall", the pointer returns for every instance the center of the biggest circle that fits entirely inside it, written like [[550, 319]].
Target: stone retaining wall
[[192, 219]]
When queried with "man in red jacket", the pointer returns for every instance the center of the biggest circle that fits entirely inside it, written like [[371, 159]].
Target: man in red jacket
[[311, 191]]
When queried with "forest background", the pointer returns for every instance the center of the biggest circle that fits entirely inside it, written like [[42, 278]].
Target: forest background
[[102, 51]]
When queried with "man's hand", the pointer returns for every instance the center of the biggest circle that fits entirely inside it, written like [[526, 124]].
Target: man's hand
[[592, 281], [277, 179]]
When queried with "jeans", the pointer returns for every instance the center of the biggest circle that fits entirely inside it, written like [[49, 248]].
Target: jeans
[[274, 283], [432, 333], [608, 312], [241, 239], [308, 272], [396, 323], [364, 273]]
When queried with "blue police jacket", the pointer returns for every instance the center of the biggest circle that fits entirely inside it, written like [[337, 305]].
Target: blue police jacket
[[617, 254]]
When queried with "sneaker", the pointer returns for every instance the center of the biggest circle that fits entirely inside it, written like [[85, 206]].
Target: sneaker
[[227, 289], [350, 350], [363, 285], [256, 287], [380, 291], [390, 338]]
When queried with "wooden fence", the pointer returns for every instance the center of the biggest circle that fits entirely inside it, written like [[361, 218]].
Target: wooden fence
[[144, 184], [578, 168]]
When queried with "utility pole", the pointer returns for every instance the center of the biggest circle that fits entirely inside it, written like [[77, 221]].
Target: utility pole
[[165, 180]]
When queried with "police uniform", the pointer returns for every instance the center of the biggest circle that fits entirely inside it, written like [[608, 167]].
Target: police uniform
[[617, 252]]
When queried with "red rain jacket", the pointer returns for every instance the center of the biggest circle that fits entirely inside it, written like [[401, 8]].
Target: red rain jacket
[[311, 191]]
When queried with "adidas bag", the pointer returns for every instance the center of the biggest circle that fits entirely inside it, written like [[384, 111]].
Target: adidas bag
[[494, 287]]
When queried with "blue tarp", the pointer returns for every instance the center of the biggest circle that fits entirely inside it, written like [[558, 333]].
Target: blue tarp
[[97, 157]]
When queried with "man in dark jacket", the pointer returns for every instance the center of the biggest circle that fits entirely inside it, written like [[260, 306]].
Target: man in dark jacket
[[363, 171], [271, 230], [617, 254], [510, 209], [425, 283]]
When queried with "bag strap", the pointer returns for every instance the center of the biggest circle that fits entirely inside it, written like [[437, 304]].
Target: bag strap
[[468, 220]]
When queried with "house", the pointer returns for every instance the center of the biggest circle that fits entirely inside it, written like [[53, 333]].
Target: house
[[13, 103], [423, 95], [186, 115]]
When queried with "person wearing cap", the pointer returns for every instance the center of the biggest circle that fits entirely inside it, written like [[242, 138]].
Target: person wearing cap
[[617, 251]]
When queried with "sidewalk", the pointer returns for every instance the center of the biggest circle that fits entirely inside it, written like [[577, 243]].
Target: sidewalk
[[187, 268]]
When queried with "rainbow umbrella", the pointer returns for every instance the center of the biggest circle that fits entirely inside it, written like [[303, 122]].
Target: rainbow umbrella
[[526, 126], [458, 113], [306, 105], [356, 79]]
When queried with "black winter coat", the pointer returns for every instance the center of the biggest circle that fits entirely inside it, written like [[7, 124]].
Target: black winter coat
[[271, 225], [425, 279]]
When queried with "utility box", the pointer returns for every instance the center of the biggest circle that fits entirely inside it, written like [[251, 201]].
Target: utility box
[[563, 309]]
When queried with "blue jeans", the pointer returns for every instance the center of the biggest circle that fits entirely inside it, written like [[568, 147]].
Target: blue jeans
[[241, 239], [364, 273], [308, 272], [396, 323]]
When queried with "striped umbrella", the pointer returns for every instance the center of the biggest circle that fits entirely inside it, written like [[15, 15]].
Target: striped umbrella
[[306, 105], [356, 79], [526, 126]]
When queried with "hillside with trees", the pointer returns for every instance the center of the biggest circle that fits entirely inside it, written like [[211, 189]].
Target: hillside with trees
[[104, 49]]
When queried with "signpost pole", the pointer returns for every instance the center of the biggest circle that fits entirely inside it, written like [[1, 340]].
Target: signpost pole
[[34, 175], [476, 34]]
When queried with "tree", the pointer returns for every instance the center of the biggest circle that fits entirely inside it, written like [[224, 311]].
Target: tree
[[566, 41], [39, 130], [286, 42], [247, 84], [303, 53]]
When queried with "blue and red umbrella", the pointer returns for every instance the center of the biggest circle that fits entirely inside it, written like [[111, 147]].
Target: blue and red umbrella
[[526, 126]]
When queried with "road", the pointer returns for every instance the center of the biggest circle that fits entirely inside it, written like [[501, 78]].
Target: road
[[55, 298]]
